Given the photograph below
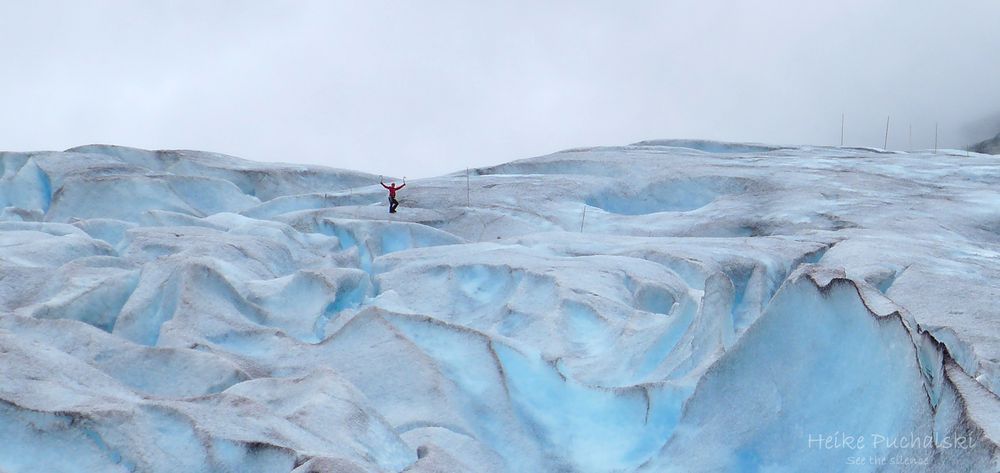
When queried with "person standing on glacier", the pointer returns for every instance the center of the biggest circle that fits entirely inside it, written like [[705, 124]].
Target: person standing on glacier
[[393, 203]]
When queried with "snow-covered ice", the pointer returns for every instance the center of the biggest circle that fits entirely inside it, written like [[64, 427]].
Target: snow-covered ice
[[672, 305]]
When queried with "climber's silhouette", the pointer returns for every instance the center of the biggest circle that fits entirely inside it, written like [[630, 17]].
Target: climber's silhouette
[[393, 203]]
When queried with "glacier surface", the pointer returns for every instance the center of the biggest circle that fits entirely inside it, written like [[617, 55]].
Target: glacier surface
[[671, 305]]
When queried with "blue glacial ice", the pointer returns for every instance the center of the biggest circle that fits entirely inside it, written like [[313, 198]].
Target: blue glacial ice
[[670, 305]]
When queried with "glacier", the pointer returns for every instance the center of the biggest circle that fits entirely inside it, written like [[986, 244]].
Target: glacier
[[670, 305]]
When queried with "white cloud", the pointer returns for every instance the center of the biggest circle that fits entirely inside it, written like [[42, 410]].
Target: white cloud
[[423, 88]]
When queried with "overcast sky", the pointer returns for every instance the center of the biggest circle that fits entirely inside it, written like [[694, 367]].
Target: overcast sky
[[421, 88]]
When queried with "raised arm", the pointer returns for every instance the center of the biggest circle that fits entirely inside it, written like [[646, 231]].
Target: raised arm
[[383, 184], [401, 186]]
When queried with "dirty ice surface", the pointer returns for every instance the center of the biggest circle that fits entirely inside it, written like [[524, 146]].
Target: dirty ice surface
[[665, 306]]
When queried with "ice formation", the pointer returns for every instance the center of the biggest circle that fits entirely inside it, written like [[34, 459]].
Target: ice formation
[[672, 305]]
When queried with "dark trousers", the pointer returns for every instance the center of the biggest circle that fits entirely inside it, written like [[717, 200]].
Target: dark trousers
[[393, 203]]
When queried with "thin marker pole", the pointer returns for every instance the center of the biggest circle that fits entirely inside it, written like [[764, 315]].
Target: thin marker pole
[[841, 129], [584, 219], [935, 137], [909, 145], [885, 145], [468, 192]]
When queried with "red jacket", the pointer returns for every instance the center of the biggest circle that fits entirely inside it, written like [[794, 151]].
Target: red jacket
[[393, 189]]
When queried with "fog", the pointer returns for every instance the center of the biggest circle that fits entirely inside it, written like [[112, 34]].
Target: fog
[[424, 88]]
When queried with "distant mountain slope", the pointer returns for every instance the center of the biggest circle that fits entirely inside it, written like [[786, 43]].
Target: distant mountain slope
[[990, 146]]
